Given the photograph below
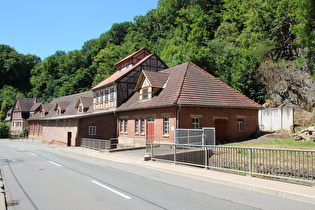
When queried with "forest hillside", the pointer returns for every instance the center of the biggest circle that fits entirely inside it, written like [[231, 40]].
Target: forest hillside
[[262, 48]]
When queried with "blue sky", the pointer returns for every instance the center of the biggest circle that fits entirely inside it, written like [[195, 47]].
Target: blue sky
[[42, 27]]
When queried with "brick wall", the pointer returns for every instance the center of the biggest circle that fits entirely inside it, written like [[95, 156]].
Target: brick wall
[[106, 127], [158, 115], [207, 117]]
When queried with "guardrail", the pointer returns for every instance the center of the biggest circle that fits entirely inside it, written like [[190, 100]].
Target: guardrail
[[268, 162]]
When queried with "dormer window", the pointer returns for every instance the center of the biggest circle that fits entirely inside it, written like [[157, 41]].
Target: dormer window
[[80, 109], [145, 94], [58, 111]]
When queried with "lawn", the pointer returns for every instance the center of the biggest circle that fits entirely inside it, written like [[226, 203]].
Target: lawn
[[276, 143]]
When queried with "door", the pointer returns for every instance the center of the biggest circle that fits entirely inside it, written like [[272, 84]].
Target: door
[[220, 130], [69, 139], [150, 130]]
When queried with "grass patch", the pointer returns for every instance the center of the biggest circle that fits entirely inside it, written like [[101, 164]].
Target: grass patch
[[285, 143]]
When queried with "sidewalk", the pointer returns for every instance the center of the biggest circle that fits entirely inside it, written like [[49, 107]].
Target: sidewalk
[[277, 188]]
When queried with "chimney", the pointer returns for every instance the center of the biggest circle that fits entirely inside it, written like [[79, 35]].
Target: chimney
[[35, 100]]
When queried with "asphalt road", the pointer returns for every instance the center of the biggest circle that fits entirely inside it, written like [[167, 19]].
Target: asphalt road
[[38, 176]]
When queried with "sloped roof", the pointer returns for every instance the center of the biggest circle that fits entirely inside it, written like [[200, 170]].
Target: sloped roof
[[119, 74], [67, 103], [63, 105], [129, 56], [156, 79], [86, 101], [189, 85], [35, 106], [25, 103]]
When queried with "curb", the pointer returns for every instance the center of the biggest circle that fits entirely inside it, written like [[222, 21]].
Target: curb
[[3, 205]]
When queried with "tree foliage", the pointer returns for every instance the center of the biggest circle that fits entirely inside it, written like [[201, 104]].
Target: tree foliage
[[232, 39]]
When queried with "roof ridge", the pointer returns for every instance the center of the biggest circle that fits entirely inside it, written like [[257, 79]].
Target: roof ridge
[[223, 83], [181, 86]]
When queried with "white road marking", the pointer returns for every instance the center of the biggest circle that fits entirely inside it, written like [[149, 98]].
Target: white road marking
[[55, 163], [112, 190], [33, 154]]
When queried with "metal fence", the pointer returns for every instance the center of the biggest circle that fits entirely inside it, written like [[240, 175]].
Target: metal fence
[[277, 163], [204, 136], [96, 144]]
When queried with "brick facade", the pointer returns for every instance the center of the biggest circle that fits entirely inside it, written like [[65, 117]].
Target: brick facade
[[207, 118], [105, 127]]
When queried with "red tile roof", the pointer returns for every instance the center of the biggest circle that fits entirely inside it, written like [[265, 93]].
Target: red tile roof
[[114, 77], [189, 85], [156, 79]]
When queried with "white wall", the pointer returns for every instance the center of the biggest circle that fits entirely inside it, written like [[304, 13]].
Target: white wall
[[273, 119]]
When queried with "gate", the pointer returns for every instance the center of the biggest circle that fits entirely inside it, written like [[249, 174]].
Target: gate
[[204, 136]]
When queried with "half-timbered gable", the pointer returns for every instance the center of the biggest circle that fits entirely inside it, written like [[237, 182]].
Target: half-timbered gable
[[116, 89], [20, 114]]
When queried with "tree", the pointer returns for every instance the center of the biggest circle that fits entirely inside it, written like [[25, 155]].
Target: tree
[[4, 130]]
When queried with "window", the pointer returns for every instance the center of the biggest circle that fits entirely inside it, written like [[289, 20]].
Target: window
[[195, 123], [96, 98], [112, 94], [145, 94], [142, 126], [136, 125], [92, 130], [166, 126], [240, 124], [126, 126], [101, 99], [127, 65], [106, 96], [121, 126], [80, 109]]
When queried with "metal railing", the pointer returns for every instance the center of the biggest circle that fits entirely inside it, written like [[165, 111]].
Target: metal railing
[[268, 162], [96, 144]]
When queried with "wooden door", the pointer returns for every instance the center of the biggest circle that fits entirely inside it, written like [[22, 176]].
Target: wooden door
[[69, 139], [150, 130], [220, 130]]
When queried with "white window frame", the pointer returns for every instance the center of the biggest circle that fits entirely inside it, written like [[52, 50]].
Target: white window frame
[[240, 124], [142, 126], [166, 126], [147, 92], [137, 126], [92, 130], [196, 123]]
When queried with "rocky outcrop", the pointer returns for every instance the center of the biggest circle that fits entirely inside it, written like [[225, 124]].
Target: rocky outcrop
[[289, 86]]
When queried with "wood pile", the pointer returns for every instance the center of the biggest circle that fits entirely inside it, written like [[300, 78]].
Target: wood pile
[[307, 134]]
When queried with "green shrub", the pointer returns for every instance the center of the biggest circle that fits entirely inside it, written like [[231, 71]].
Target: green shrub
[[4, 130]]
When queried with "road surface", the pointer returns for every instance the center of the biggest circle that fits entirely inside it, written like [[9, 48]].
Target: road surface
[[38, 176]]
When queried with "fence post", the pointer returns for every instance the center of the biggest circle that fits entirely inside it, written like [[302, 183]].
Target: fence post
[[151, 151], [250, 163], [206, 157], [175, 154]]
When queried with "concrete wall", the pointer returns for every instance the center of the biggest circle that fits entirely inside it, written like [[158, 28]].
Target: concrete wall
[[273, 119]]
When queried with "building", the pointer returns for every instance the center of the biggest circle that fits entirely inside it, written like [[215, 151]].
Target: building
[[91, 115], [20, 112], [185, 96]]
